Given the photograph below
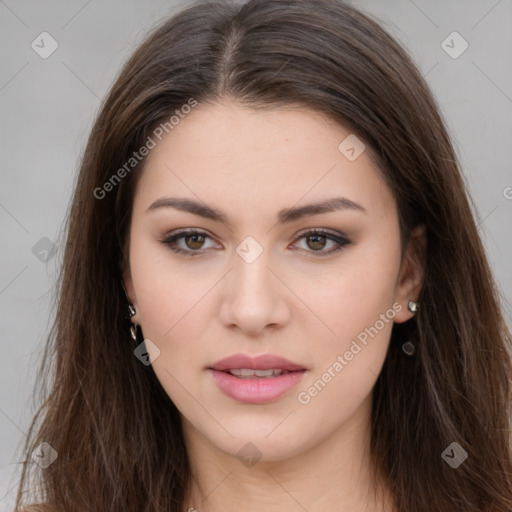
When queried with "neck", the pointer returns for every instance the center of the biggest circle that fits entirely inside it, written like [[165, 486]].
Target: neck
[[330, 476]]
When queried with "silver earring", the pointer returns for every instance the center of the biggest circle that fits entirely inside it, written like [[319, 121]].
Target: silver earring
[[413, 306], [408, 348], [133, 327]]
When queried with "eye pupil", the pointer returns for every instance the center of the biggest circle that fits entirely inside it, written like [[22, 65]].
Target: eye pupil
[[315, 239]]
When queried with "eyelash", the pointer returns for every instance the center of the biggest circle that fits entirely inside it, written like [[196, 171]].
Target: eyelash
[[342, 241]]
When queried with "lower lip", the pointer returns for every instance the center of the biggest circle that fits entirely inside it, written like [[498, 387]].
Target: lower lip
[[256, 391]]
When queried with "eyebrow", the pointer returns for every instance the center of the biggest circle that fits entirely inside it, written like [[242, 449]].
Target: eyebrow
[[284, 216]]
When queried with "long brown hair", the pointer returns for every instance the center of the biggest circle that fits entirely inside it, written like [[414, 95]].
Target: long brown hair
[[106, 414]]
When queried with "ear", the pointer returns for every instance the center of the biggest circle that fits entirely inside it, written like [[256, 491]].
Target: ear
[[411, 275]]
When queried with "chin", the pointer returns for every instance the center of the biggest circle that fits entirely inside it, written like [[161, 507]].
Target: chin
[[264, 447]]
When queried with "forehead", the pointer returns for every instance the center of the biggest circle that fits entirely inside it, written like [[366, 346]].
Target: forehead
[[227, 155]]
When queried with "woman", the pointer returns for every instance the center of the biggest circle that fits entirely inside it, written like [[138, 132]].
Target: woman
[[273, 292]]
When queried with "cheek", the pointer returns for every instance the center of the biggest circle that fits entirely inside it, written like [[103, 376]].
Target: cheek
[[169, 292], [174, 308], [350, 295], [357, 303], [346, 364]]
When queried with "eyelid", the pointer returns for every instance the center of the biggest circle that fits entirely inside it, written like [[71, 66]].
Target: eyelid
[[188, 231], [182, 233], [322, 231], [339, 238]]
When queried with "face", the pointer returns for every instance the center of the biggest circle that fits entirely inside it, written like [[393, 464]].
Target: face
[[228, 257]]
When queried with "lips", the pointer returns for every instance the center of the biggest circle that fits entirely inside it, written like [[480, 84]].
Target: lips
[[256, 380], [263, 362], [246, 373]]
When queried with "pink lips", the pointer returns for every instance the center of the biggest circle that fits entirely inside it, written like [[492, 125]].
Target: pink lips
[[255, 390]]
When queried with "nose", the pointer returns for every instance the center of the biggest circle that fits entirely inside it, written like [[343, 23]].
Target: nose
[[254, 299]]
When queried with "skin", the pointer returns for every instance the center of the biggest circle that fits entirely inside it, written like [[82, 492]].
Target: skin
[[290, 301]]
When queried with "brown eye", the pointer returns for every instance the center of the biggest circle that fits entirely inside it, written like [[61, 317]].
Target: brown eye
[[316, 242], [188, 243], [194, 241]]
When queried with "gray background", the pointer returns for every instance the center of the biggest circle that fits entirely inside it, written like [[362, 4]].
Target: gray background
[[48, 106]]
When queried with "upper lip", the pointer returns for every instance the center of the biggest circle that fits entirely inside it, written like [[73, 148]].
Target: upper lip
[[262, 362]]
